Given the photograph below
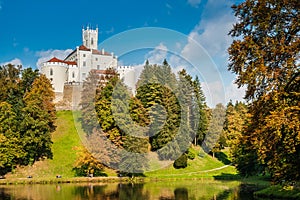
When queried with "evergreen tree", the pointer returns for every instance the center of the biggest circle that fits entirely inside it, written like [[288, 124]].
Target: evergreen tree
[[215, 128], [88, 114], [202, 108]]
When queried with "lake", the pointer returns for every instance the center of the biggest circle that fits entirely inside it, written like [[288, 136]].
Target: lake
[[160, 190]]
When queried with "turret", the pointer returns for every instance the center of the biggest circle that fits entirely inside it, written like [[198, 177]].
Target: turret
[[90, 38]]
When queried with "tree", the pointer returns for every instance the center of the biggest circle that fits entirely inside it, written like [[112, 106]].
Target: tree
[[215, 129], [89, 91], [86, 164], [11, 147], [10, 87], [27, 117], [180, 162], [157, 87], [38, 120], [265, 57], [236, 120], [202, 107]]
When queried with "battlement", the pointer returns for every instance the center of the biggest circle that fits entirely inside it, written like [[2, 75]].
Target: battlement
[[125, 67]]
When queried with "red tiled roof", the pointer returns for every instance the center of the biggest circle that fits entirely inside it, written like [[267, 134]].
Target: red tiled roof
[[70, 62], [54, 59], [100, 52], [84, 48]]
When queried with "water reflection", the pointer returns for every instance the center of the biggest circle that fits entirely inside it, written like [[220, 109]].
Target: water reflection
[[172, 190]]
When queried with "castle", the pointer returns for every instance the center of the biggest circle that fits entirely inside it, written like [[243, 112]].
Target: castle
[[75, 68]]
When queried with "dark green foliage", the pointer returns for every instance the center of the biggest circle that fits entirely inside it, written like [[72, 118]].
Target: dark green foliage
[[215, 128], [202, 107], [27, 116], [164, 111], [180, 162], [89, 90], [163, 116]]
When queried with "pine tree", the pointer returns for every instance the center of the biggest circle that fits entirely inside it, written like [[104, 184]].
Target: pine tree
[[215, 129], [89, 91]]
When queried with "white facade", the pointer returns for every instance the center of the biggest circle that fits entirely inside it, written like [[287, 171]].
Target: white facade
[[127, 74], [90, 38], [75, 68], [56, 71]]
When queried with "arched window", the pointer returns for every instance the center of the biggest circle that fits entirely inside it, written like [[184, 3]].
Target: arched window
[[51, 72], [73, 74]]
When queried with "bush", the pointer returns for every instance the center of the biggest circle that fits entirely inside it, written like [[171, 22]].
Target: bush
[[180, 162], [190, 155]]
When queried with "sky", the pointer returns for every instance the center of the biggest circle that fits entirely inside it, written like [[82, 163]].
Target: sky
[[190, 34]]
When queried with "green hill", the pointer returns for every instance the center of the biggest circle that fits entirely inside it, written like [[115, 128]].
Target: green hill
[[66, 137]]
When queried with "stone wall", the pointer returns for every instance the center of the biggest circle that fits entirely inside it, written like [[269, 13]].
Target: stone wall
[[71, 98]]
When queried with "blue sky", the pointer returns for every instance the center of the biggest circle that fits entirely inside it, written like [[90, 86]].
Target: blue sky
[[186, 32]]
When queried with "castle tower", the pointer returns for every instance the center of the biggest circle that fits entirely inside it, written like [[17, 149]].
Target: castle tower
[[90, 38]]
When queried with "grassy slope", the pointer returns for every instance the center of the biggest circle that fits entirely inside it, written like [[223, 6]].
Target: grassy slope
[[205, 166], [66, 137]]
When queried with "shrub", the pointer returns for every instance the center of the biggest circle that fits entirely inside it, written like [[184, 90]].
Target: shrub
[[180, 162]]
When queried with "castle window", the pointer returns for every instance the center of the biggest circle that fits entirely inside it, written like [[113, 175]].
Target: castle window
[[83, 55], [92, 41], [51, 72], [73, 74], [96, 59], [98, 67], [83, 76], [84, 64]]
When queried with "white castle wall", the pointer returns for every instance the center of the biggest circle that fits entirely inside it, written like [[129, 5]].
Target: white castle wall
[[127, 74], [73, 74], [57, 73], [90, 38]]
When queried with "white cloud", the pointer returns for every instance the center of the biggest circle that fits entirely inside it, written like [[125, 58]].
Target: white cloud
[[214, 92], [44, 56], [212, 30], [206, 49], [15, 62], [194, 3], [158, 54]]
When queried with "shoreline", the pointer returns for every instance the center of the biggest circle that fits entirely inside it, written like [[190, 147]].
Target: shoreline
[[112, 179]]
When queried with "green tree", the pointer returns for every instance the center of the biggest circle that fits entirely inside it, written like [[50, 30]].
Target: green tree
[[89, 92], [11, 147], [265, 57], [9, 82], [215, 129], [38, 120], [180, 162], [202, 125]]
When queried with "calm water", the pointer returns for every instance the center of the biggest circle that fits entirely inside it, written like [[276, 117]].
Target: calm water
[[176, 190]]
